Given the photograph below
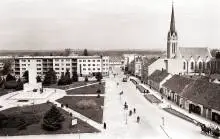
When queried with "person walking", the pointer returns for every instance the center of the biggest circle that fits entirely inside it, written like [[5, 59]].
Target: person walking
[[134, 110], [138, 119], [104, 125]]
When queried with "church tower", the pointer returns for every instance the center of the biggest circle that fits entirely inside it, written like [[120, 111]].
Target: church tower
[[172, 38]]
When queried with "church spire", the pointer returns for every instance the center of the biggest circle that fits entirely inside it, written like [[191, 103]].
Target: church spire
[[172, 22]]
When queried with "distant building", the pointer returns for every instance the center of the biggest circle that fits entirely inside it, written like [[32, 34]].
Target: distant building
[[83, 65]]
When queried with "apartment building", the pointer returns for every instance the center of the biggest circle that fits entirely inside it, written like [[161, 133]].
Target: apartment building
[[83, 65]]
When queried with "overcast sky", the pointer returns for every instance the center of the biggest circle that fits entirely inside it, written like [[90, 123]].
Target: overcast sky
[[107, 24]]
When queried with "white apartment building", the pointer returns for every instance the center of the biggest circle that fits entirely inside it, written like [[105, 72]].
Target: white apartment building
[[83, 65], [90, 65]]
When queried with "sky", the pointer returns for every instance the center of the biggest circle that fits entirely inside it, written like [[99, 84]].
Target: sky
[[106, 24]]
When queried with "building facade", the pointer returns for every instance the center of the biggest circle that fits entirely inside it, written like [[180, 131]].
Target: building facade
[[83, 65]]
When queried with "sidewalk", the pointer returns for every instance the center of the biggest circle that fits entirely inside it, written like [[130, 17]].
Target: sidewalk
[[168, 103]]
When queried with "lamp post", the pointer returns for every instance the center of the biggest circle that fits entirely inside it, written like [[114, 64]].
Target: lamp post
[[163, 121], [79, 133]]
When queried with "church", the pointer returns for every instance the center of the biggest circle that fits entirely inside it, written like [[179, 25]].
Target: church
[[181, 60]]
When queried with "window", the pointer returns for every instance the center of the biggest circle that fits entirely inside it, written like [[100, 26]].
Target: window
[[93, 68], [67, 64], [38, 68], [93, 60], [84, 68], [56, 64], [192, 65], [23, 64], [67, 59], [61, 60], [56, 59], [38, 64], [68, 69], [84, 64], [103, 64], [98, 64], [38, 72], [88, 60], [98, 60], [28, 60], [200, 65], [23, 60], [89, 69], [84, 60], [23, 68], [89, 64], [62, 68], [38, 60], [103, 60], [98, 68], [184, 65], [103, 68], [93, 64], [57, 68], [80, 60]]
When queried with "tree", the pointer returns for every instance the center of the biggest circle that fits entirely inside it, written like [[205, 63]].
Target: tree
[[20, 85], [65, 79], [67, 52], [86, 79], [98, 76], [9, 77], [75, 77], [7, 67], [50, 77], [85, 52], [38, 78], [53, 119], [26, 76]]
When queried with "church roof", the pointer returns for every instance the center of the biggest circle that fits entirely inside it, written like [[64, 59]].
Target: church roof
[[195, 53]]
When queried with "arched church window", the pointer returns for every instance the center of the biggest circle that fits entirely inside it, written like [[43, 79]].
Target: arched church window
[[192, 65], [200, 65], [184, 65]]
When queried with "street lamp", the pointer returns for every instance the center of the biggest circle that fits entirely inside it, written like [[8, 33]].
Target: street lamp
[[79, 133], [162, 121]]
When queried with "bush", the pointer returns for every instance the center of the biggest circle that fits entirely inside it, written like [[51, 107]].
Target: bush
[[53, 119], [86, 79], [9, 77], [86, 104], [11, 84], [75, 77], [98, 76]]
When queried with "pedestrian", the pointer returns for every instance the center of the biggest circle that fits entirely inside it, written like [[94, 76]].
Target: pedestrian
[[138, 119], [134, 110], [104, 125], [130, 113]]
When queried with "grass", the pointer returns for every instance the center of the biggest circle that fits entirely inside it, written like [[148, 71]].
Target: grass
[[33, 117], [73, 85], [5, 91], [152, 98], [95, 114], [88, 89], [179, 114]]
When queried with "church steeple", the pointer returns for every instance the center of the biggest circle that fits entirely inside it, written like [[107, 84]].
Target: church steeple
[[172, 38], [172, 22]]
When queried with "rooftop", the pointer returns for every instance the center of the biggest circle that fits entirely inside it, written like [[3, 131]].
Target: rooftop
[[158, 76]]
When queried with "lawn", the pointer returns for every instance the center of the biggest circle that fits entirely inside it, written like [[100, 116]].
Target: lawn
[[179, 114], [33, 117], [88, 89], [152, 98], [73, 85], [95, 114], [5, 91]]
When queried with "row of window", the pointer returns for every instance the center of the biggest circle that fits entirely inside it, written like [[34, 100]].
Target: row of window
[[62, 60], [192, 65], [62, 64], [93, 60], [92, 69]]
